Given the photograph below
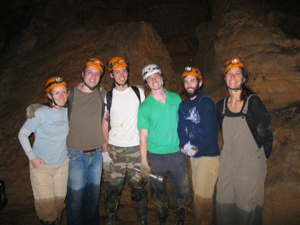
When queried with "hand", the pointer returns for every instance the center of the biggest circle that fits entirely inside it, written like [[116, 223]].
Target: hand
[[145, 170], [107, 162], [31, 109], [191, 150], [36, 162]]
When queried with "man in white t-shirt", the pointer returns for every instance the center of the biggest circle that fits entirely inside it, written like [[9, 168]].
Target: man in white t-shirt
[[121, 153]]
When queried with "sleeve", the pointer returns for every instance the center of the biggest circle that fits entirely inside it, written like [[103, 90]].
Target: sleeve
[[208, 124], [262, 123], [23, 138], [143, 120], [181, 130]]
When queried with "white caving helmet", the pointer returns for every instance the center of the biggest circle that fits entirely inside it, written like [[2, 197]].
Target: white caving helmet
[[149, 70]]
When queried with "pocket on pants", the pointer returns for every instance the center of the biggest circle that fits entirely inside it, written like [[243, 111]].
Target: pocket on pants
[[73, 154]]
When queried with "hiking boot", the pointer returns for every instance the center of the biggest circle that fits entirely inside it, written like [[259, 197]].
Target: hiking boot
[[163, 215], [179, 216], [111, 211], [141, 210]]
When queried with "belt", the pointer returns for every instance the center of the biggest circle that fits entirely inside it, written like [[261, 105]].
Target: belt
[[88, 151]]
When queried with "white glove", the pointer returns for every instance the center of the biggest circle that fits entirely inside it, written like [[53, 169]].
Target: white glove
[[107, 162], [191, 150]]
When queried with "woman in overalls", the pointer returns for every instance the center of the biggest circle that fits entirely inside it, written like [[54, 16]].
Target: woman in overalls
[[248, 138], [48, 157]]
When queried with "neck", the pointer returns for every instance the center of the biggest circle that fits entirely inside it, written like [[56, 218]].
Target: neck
[[235, 96], [159, 95], [121, 87], [84, 88]]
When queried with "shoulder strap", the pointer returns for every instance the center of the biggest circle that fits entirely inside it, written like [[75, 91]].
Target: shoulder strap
[[71, 97], [100, 90], [137, 92], [245, 109], [224, 106]]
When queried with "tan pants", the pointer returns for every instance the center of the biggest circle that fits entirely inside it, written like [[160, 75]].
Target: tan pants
[[49, 185], [204, 176]]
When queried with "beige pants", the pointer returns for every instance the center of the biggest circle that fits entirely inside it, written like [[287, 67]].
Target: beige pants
[[49, 185], [204, 176]]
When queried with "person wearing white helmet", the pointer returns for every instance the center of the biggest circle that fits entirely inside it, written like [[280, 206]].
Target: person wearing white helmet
[[197, 130], [159, 144]]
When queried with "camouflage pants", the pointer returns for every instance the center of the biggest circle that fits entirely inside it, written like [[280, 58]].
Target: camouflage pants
[[124, 160]]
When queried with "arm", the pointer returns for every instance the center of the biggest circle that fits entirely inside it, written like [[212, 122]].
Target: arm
[[262, 122], [105, 130], [145, 169], [143, 144], [23, 138]]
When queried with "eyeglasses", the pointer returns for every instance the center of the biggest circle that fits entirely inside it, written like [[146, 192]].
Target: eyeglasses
[[120, 61], [58, 94], [57, 81], [189, 69], [96, 62]]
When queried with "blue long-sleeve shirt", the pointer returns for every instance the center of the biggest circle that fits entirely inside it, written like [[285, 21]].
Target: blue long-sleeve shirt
[[198, 124]]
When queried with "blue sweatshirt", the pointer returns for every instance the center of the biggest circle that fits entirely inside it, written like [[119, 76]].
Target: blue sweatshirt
[[199, 116]]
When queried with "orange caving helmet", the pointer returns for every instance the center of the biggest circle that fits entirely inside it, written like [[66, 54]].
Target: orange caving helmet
[[117, 62], [233, 63], [97, 63], [54, 82], [193, 71]]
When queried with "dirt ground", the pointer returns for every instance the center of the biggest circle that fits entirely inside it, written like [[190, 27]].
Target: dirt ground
[[20, 207]]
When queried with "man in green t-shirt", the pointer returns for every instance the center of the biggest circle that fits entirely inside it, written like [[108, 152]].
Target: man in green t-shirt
[[159, 146]]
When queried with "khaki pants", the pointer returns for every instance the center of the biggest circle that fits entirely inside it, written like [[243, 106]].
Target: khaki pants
[[204, 176], [49, 185]]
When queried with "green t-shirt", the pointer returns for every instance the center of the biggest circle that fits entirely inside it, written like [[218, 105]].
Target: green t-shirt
[[161, 121]]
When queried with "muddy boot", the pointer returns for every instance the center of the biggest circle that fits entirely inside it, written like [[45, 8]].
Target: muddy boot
[[141, 210], [179, 216], [163, 215], [111, 211]]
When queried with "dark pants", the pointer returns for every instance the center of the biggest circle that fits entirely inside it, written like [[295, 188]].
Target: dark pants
[[174, 167]]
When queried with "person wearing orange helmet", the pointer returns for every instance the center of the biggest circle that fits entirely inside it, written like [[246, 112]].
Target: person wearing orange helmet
[[85, 140], [121, 153], [248, 138], [197, 131], [48, 156]]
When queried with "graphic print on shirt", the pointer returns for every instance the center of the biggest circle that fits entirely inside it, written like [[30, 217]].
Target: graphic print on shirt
[[193, 116]]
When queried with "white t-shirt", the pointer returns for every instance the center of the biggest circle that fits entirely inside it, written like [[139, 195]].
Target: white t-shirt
[[123, 117]]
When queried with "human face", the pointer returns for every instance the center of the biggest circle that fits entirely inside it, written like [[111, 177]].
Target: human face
[[155, 81], [191, 86], [120, 75], [234, 77], [59, 95], [91, 76]]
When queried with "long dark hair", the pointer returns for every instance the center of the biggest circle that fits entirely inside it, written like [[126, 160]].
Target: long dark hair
[[246, 91]]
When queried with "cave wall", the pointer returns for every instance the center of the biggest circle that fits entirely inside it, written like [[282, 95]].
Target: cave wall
[[40, 38]]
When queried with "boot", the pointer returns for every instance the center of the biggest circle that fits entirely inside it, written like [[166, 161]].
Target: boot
[[59, 217], [163, 215], [141, 210], [179, 216], [42, 222], [111, 211]]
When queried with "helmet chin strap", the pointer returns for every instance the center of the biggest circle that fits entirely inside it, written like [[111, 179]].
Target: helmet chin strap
[[121, 85], [236, 89], [55, 105], [91, 88]]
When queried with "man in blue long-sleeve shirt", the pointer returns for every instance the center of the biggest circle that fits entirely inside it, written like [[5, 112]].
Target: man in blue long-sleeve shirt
[[197, 131]]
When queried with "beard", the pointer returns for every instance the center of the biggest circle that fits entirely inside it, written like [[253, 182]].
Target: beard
[[193, 94]]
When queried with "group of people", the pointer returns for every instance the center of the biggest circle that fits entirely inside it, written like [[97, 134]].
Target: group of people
[[81, 130]]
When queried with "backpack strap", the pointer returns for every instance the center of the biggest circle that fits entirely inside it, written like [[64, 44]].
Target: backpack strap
[[71, 97], [137, 92], [101, 93], [2, 192]]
